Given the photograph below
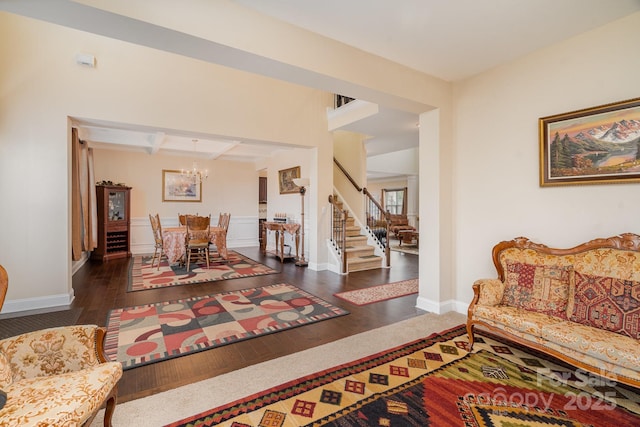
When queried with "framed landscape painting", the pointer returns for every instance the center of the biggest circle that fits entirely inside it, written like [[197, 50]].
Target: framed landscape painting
[[285, 180], [598, 145], [179, 187]]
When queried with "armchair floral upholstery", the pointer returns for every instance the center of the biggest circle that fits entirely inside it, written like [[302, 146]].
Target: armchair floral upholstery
[[57, 376]]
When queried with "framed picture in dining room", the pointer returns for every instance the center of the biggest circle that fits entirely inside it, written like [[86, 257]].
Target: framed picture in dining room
[[597, 145], [179, 187], [285, 180]]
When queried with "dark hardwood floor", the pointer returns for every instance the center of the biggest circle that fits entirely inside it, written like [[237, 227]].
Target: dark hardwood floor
[[100, 287]]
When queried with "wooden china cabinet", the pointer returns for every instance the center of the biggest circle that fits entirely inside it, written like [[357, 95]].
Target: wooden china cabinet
[[114, 237]]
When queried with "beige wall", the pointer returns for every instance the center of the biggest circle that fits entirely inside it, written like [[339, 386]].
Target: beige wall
[[348, 149], [231, 186], [496, 149], [43, 87]]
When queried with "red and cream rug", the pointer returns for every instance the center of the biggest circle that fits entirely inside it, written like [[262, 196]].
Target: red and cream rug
[[380, 293], [143, 276], [436, 381], [154, 332]]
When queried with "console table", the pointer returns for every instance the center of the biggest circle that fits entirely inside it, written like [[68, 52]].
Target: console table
[[279, 228]]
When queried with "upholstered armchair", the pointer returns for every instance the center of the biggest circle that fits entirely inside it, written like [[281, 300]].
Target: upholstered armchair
[[399, 223], [57, 377]]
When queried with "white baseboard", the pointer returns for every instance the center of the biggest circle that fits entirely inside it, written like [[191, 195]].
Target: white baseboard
[[441, 307], [29, 304]]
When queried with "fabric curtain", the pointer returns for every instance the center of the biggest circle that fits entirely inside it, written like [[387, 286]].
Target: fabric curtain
[[83, 198], [76, 204]]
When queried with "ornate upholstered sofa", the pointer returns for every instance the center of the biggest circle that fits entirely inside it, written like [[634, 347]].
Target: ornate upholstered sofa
[[581, 305], [57, 377]]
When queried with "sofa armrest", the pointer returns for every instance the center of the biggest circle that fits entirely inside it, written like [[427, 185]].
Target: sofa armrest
[[51, 351], [489, 291]]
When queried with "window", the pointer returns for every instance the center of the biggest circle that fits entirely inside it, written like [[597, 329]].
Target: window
[[395, 200]]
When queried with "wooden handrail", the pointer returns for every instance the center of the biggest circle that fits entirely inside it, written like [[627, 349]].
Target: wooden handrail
[[344, 171]]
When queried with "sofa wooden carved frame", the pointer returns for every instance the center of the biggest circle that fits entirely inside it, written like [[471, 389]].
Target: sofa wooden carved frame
[[625, 241]]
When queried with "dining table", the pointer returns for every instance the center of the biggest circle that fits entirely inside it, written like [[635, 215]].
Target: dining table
[[173, 242]]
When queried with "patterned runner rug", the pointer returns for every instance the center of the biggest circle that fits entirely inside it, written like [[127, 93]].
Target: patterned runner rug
[[380, 293], [407, 248], [150, 333], [143, 276], [437, 382]]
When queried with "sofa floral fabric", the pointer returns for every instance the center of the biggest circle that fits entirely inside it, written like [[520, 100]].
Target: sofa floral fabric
[[491, 291], [607, 303], [604, 365], [600, 325], [539, 288], [54, 377], [595, 342], [517, 318]]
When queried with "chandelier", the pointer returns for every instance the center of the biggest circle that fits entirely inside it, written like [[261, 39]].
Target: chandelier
[[199, 174]]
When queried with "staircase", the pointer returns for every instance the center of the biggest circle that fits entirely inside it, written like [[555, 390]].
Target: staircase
[[360, 255]]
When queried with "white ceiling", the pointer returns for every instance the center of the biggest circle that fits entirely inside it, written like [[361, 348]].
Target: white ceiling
[[449, 39]]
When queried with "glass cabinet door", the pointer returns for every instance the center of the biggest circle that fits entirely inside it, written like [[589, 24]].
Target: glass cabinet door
[[116, 210]]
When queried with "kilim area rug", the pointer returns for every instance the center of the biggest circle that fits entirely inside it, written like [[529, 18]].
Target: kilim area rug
[[436, 382], [380, 293], [142, 276], [150, 333]]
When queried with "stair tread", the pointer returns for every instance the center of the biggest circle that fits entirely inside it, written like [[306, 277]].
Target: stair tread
[[362, 259], [359, 248]]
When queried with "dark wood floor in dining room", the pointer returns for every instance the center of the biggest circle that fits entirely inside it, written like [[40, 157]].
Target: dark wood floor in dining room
[[100, 287]]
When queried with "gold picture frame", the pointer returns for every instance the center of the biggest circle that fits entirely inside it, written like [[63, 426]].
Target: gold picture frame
[[285, 180], [179, 187], [598, 145]]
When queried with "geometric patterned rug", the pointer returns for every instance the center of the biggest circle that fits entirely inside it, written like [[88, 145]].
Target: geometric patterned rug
[[142, 276], [436, 382], [380, 292], [153, 332]]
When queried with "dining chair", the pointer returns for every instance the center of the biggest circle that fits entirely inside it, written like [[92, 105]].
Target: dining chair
[[156, 227], [182, 219], [223, 222], [197, 237]]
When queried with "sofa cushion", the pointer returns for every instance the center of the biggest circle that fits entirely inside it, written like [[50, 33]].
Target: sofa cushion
[[600, 344], [539, 288], [491, 291], [517, 318], [66, 399], [607, 303]]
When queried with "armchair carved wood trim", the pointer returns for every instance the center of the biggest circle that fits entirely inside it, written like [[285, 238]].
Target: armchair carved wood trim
[[57, 376]]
